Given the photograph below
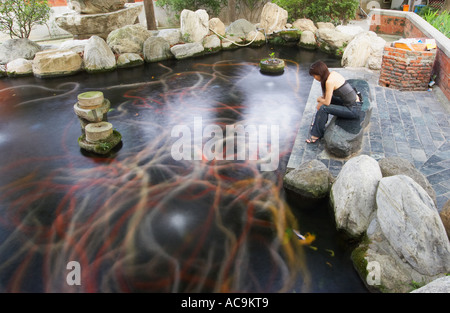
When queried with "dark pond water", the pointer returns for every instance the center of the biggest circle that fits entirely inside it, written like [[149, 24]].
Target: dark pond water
[[168, 210]]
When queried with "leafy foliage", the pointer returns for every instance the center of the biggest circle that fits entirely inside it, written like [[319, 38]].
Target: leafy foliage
[[211, 6], [335, 11], [17, 17], [438, 19]]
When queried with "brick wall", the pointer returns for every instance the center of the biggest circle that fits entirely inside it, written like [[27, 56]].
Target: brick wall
[[405, 69], [404, 24]]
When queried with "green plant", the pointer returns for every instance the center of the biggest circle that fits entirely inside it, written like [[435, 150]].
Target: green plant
[[17, 17], [211, 6], [438, 19], [335, 11]]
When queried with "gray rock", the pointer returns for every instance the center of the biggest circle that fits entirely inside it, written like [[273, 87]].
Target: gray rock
[[410, 222], [399, 166], [440, 285], [305, 24], [331, 40], [395, 274], [240, 28], [353, 194], [22, 48], [187, 50], [273, 18], [157, 49], [194, 25], [365, 50], [19, 67], [308, 40], [98, 57], [83, 26], [172, 35], [310, 180], [74, 45], [53, 63], [445, 217], [129, 60], [128, 39], [96, 6]]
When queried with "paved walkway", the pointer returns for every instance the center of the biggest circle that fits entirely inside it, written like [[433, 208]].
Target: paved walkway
[[413, 125]]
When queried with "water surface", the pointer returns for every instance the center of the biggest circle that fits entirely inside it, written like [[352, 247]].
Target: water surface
[[140, 220]]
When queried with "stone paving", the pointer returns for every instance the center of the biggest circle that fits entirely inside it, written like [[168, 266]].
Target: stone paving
[[414, 125]]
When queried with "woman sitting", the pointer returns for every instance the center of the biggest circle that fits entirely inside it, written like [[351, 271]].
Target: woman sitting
[[339, 99]]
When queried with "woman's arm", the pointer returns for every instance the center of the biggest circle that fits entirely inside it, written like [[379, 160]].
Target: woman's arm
[[330, 84], [326, 99]]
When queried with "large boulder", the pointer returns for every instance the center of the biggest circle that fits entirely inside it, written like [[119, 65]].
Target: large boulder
[[19, 67], [365, 50], [445, 217], [212, 43], [391, 166], [240, 28], [440, 285], [74, 45], [382, 268], [331, 40], [98, 56], [194, 25], [129, 38], [273, 18], [353, 194], [308, 40], [172, 35], [256, 37], [95, 6], [410, 221], [157, 49], [83, 26], [310, 180], [217, 26], [129, 60], [187, 50], [351, 30], [305, 24], [53, 63], [13, 49]]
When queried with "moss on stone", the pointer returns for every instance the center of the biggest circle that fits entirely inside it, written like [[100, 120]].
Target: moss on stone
[[101, 147]]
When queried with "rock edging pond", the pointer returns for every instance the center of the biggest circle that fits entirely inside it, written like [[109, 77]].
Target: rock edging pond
[[403, 243]]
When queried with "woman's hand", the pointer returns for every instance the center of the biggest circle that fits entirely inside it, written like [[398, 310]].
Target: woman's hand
[[320, 101]]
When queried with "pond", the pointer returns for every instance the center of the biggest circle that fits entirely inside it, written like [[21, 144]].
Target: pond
[[178, 205]]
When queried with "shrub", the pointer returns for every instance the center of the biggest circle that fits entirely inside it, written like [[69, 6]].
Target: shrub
[[438, 19], [211, 6], [17, 17], [335, 11]]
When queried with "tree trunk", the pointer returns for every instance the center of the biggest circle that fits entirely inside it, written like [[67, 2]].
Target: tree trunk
[[231, 10], [150, 14]]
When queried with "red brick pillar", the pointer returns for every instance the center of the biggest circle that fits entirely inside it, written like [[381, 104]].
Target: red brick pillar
[[406, 69]]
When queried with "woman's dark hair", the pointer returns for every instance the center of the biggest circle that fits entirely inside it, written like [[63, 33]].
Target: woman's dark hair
[[321, 69]]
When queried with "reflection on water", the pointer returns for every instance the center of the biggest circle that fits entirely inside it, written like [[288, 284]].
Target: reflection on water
[[141, 220]]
